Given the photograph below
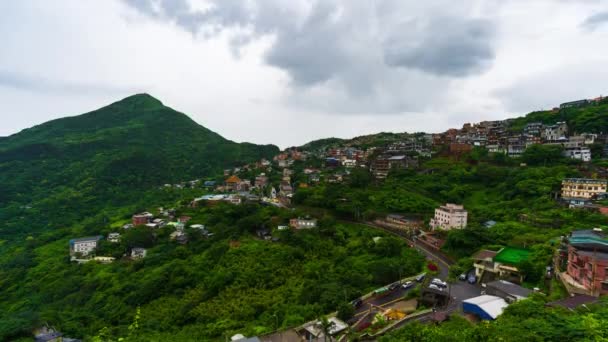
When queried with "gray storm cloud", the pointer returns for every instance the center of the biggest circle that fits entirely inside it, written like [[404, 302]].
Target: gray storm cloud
[[442, 45], [595, 21], [362, 50]]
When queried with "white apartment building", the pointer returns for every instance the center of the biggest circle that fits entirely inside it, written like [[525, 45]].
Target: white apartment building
[[449, 216], [580, 153], [84, 246]]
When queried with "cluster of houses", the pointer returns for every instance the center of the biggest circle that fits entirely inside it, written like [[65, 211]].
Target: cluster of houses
[[380, 160], [497, 137], [84, 249]]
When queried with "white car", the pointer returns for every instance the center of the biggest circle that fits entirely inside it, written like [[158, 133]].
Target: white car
[[438, 282], [407, 285], [435, 287]]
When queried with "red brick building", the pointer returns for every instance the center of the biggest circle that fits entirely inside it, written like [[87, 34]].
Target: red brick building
[[588, 260], [456, 148], [142, 219]]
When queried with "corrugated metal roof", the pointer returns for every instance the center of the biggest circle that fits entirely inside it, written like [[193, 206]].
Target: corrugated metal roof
[[492, 305]]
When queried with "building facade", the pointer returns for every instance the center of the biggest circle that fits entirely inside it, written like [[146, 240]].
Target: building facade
[[579, 153], [584, 188], [555, 132], [142, 219], [84, 246], [588, 260], [449, 216]]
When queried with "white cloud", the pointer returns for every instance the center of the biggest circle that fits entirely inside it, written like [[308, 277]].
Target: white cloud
[[287, 72]]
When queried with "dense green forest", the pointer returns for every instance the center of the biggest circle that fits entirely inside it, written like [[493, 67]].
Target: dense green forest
[[87, 175], [232, 282], [69, 169]]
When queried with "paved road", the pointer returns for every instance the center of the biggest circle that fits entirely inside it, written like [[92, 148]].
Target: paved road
[[460, 290], [382, 300]]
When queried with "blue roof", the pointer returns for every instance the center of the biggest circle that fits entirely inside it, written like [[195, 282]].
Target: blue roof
[[96, 238], [589, 238]]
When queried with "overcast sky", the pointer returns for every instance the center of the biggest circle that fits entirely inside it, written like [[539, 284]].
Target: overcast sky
[[287, 72]]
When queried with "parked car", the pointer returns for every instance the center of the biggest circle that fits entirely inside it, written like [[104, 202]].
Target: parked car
[[435, 287], [472, 279], [462, 277], [420, 277], [438, 282], [393, 286], [408, 284], [357, 303]]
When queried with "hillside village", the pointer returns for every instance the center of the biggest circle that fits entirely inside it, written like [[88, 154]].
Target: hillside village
[[490, 283]]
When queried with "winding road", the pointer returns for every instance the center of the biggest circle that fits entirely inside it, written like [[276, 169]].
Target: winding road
[[459, 290]]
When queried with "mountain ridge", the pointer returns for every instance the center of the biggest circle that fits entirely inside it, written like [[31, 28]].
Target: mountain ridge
[[135, 143]]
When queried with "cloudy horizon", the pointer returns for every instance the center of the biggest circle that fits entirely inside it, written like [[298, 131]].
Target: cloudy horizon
[[269, 71]]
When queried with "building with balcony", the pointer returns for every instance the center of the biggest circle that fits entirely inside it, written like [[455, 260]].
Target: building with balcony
[[578, 153], [449, 216], [583, 188], [84, 246], [587, 264], [556, 132]]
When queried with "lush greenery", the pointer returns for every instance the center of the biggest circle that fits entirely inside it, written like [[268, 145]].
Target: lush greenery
[[207, 289], [69, 169], [87, 175]]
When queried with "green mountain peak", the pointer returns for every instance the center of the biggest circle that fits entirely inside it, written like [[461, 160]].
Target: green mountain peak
[[140, 101]]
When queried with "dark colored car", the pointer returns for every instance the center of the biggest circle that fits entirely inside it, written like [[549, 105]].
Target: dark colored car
[[357, 303], [393, 287]]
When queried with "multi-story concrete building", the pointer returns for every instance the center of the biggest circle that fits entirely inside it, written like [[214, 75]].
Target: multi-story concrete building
[[575, 104], [449, 216], [533, 129], [579, 153], [142, 219], [556, 132], [382, 165], [583, 188], [84, 246], [588, 261]]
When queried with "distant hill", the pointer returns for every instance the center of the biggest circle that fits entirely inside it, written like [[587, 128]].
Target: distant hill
[[114, 152], [363, 141], [590, 118]]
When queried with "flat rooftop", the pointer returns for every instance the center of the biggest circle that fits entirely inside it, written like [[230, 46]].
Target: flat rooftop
[[512, 255]]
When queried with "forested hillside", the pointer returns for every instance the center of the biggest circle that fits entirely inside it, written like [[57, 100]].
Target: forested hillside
[[87, 175], [76, 166]]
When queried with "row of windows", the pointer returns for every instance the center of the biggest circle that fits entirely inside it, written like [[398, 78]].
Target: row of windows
[[581, 187]]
